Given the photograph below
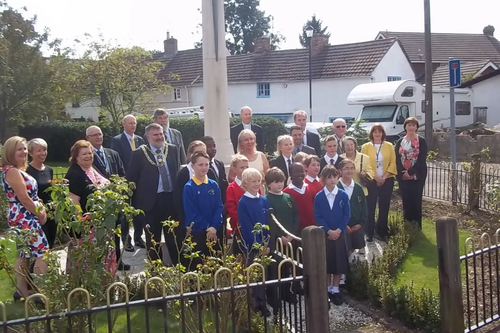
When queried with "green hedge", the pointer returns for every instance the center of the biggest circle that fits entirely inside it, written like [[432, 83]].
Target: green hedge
[[60, 136], [376, 282]]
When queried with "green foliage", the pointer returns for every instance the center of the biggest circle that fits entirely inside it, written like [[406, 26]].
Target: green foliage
[[31, 84], [376, 282], [431, 155], [61, 135], [357, 131], [317, 26]]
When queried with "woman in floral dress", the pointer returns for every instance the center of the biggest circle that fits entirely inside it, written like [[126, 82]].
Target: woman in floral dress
[[26, 213], [411, 157]]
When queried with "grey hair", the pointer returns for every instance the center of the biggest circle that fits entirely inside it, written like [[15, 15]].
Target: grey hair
[[128, 116], [353, 139], [247, 108], [159, 112], [153, 126], [338, 120], [87, 131], [37, 142]]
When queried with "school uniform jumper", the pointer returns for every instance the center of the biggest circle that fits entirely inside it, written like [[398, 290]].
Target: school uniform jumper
[[285, 211], [331, 218], [304, 199], [359, 214], [234, 193], [202, 208], [252, 210], [314, 184]]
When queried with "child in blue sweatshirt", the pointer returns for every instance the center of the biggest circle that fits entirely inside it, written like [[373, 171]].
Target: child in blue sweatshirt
[[253, 208], [332, 212], [202, 207]]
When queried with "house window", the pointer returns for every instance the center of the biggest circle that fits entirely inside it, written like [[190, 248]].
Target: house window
[[177, 94], [263, 90], [391, 78], [462, 108]]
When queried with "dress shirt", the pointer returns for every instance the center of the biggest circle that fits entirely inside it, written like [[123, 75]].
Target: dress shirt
[[328, 158], [247, 126], [129, 139], [300, 190], [348, 188], [216, 169], [330, 196], [250, 195]]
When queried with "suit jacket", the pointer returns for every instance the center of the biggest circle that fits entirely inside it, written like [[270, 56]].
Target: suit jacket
[[221, 179], [259, 135], [280, 163], [177, 140], [314, 141], [322, 163], [115, 164], [121, 145], [307, 149], [146, 176]]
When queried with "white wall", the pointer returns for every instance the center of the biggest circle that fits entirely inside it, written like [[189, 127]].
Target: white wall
[[487, 93], [394, 63]]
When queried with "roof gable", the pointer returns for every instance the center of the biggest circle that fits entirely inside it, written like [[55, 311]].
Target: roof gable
[[441, 75], [466, 47], [333, 61], [480, 79]]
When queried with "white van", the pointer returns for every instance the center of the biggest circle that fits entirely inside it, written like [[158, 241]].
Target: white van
[[190, 111]]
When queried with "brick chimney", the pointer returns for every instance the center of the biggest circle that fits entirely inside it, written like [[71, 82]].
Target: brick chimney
[[489, 30], [262, 44], [170, 46], [318, 43]]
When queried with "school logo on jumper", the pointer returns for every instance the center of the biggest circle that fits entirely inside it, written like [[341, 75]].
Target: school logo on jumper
[[265, 211], [360, 199], [341, 204], [289, 204], [211, 192]]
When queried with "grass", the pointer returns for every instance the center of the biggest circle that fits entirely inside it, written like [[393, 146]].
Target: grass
[[421, 263], [59, 168]]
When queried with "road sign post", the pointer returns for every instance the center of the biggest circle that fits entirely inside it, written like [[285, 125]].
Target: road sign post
[[455, 81]]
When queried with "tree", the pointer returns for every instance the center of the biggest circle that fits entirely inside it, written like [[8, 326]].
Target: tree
[[125, 80], [31, 85], [317, 26], [244, 23]]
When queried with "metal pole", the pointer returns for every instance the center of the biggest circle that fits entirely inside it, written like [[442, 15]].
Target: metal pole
[[428, 76], [310, 82], [453, 146]]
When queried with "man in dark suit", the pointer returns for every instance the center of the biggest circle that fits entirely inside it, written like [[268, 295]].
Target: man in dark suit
[[246, 123], [173, 136], [297, 135], [309, 138], [153, 169], [283, 164], [124, 144], [107, 162]]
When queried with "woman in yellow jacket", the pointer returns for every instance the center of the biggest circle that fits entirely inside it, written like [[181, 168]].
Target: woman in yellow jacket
[[362, 162], [383, 161]]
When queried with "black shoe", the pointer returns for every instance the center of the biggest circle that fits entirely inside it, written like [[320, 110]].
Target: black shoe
[[129, 248], [330, 296], [369, 239], [123, 267], [140, 243], [337, 299]]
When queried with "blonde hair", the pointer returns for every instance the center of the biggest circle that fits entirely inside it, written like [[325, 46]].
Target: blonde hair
[[249, 175], [279, 142], [241, 136], [193, 145], [235, 159], [9, 152], [37, 142], [300, 157]]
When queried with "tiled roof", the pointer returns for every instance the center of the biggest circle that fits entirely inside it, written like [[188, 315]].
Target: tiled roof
[[334, 61], [441, 74], [480, 79], [466, 47]]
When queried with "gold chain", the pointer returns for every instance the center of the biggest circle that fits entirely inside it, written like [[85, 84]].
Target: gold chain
[[159, 156]]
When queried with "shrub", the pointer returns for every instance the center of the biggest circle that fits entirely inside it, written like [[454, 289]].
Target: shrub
[[376, 282], [61, 135]]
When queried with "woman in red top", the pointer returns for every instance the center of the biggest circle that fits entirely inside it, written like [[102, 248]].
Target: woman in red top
[[302, 195]]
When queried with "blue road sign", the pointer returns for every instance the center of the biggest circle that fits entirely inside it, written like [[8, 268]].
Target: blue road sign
[[455, 76]]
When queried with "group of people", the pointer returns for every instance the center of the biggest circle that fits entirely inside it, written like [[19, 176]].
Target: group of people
[[327, 183]]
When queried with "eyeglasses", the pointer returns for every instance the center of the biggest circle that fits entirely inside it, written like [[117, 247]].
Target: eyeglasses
[[340, 126], [96, 134]]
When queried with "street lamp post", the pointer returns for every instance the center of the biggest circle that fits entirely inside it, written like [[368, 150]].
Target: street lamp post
[[309, 34]]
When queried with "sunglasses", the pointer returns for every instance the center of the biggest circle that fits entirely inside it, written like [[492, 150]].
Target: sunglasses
[[340, 126]]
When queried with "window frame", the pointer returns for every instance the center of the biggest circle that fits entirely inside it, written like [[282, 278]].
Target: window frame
[[393, 78], [262, 88], [176, 94]]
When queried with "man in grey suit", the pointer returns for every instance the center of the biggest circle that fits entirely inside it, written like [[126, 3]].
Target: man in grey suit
[[297, 134], [172, 136]]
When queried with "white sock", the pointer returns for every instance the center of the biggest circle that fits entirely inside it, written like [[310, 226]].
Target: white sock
[[335, 290]]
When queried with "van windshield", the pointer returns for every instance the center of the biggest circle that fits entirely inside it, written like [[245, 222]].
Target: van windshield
[[378, 113]]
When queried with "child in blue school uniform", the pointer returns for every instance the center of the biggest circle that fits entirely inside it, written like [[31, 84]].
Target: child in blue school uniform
[[332, 212], [202, 207]]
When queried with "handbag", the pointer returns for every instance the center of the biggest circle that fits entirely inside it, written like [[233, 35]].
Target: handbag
[[365, 180]]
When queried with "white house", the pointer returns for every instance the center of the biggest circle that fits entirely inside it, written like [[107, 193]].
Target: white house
[[276, 82]]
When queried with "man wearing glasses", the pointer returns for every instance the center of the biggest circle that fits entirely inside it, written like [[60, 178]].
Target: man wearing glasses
[[339, 128]]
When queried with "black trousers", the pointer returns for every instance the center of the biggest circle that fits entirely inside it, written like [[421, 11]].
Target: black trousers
[[411, 195], [50, 231], [163, 210], [381, 195], [138, 228], [200, 238]]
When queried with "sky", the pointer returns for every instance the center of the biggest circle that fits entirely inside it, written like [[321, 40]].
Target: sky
[[145, 22]]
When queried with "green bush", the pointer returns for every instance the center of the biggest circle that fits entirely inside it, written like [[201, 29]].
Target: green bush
[[376, 282], [61, 135]]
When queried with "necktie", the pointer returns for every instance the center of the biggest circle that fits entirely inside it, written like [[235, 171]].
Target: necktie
[[102, 160], [331, 161], [165, 177], [297, 150], [166, 137], [132, 143], [289, 162]]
